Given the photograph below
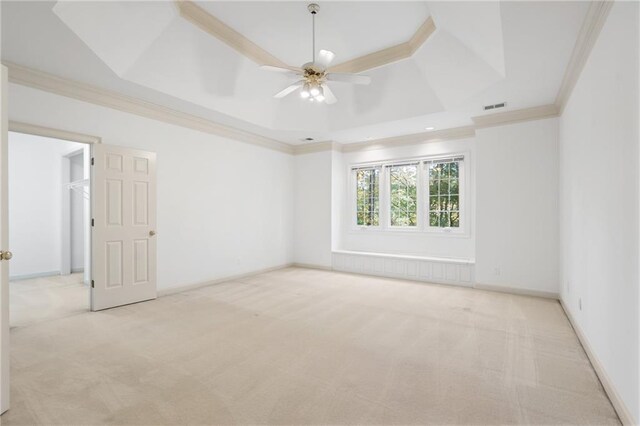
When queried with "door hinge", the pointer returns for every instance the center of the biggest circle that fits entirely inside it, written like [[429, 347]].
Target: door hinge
[[92, 161], [92, 221], [93, 284]]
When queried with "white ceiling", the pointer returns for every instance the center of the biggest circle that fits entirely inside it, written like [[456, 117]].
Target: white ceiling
[[481, 53]]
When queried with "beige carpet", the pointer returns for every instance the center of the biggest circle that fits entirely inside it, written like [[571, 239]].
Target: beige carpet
[[301, 346], [46, 298]]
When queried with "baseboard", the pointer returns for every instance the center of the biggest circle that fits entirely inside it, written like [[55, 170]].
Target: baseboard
[[179, 289], [618, 404], [518, 291], [76, 270], [31, 276], [312, 266]]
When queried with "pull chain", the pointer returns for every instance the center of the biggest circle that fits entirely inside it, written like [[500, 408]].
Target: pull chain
[[313, 35]]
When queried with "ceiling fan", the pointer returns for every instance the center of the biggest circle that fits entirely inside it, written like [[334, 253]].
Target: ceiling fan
[[315, 75]]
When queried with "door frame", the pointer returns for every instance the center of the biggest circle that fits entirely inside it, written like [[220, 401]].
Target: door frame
[[7, 126], [65, 243]]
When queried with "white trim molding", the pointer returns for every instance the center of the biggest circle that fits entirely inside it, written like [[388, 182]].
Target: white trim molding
[[518, 291], [587, 37], [389, 55], [412, 139], [317, 147], [312, 266], [214, 26], [207, 22], [515, 116], [34, 275], [616, 400], [95, 95], [47, 132], [186, 287]]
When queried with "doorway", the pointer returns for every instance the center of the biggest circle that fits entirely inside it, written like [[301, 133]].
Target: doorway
[[49, 228]]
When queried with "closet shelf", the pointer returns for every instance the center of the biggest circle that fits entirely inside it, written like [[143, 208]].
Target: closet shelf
[[80, 186]]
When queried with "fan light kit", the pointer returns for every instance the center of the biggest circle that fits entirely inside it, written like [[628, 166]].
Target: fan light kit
[[314, 75]]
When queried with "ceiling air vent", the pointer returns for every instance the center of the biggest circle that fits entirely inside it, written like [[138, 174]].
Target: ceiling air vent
[[495, 106]]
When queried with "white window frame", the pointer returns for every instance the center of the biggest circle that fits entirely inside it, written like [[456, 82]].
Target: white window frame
[[462, 196], [387, 197], [384, 217], [353, 196]]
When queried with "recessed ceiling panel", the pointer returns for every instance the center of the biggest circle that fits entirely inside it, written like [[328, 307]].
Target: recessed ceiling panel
[[349, 29], [118, 32], [454, 71], [477, 24]]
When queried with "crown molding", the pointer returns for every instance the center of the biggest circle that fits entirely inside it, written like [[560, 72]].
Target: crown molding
[[314, 147], [47, 132], [391, 54], [212, 25], [412, 139], [587, 37], [516, 116], [95, 95]]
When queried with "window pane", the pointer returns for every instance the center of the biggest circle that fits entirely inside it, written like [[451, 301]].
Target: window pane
[[434, 219], [403, 194], [453, 186], [433, 187], [434, 171], [444, 186], [444, 203], [367, 194], [433, 203], [453, 203], [444, 219], [455, 219], [444, 209], [445, 170], [454, 170]]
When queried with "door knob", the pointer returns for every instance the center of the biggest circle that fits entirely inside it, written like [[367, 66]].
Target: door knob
[[6, 255], [152, 233]]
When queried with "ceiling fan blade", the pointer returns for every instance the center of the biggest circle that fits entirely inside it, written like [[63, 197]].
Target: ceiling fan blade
[[325, 57], [289, 89], [291, 70], [349, 78], [329, 97]]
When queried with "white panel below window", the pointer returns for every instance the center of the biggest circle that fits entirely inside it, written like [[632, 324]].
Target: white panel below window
[[417, 268]]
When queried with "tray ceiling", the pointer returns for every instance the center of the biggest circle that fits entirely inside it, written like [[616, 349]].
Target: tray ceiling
[[480, 53]]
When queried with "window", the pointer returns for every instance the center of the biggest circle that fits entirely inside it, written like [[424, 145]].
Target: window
[[403, 195], [411, 195], [444, 194], [368, 197]]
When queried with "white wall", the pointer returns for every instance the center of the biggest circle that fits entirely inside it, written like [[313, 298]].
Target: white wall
[[312, 209], [599, 201], [224, 207], [338, 198], [414, 243], [35, 187], [517, 206]]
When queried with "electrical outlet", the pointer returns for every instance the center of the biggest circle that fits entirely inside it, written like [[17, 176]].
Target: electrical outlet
[[496, 271]]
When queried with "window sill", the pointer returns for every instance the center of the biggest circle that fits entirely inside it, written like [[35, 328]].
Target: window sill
[[399, 231], [407, 257]]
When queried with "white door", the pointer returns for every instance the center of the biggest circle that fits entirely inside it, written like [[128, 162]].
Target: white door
[[5, 254], [123, 242]]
